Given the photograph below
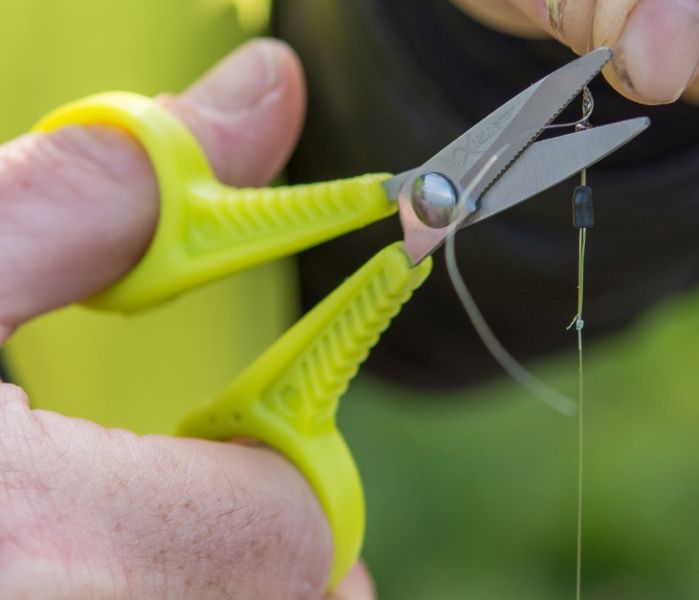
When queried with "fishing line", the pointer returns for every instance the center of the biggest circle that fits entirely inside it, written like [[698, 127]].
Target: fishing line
[[583, 218], [502, 356], [579, 324], [509, 363]]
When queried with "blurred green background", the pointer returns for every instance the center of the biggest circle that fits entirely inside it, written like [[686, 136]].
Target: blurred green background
[[473, 494]]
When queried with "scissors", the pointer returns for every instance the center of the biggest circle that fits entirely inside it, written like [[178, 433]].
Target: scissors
[[289, 396]]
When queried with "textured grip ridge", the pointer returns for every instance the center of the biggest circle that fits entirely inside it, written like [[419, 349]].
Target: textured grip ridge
[[257, 219], [304, 373], [321, 373], [207, 230], [289, 396], [213, 230]]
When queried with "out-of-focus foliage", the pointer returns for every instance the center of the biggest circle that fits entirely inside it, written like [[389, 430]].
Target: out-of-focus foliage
[[473, 494]]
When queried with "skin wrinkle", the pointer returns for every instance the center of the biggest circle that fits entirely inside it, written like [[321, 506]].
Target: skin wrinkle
[[190, 470], [619, 61], [85, 144], [216, 126], [590, 27], [30, 441], [515, 6], [34, 167], [233, 497], [49, 156], [295, 577], [567, 20], [164, 460], [13, 176], [56, 453], [691, 7], [37, 525], [212, 532], [139, 540], [92, 166], [220, 128], [613, 28], [233, 510], [562, 5], [555, 10], [19, 423], [119, 490]]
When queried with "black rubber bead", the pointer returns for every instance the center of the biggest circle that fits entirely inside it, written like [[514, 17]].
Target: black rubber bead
[[583, 212]]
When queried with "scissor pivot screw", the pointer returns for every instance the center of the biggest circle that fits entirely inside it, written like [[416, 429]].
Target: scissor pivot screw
[[434, 199]]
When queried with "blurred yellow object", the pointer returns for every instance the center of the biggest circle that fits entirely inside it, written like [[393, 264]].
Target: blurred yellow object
[[142, 372]]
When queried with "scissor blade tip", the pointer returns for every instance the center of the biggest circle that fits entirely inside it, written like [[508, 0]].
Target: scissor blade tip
[[564, 84], [637, 124], [603, 54], [599, 58]]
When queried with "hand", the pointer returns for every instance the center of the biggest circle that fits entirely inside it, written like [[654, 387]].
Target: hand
[[95, 513], [656, 42]]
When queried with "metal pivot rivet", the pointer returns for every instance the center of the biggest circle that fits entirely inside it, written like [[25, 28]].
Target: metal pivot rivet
[[434, 199]]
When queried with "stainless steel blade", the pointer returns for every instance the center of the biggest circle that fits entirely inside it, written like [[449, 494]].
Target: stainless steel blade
[[548, 162], [534, 108], [482, 153], [547, 99], [458, 159]]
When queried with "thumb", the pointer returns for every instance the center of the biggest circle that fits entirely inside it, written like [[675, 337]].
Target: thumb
[[246, 111], [656, 46], [78, 206]]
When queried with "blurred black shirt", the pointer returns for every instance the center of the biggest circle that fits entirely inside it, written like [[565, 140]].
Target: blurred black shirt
[[391, 82]]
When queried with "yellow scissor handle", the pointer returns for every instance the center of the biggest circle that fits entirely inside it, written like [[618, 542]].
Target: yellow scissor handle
[[289, 396], [206, 229]]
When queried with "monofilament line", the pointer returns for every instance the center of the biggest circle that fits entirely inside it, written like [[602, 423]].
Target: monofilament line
[[579, 324], [583, 217], [510, 365]]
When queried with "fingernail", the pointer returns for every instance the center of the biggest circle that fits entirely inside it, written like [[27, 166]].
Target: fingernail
[[658, 52], [242, 80]]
